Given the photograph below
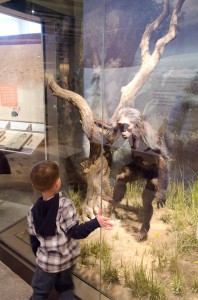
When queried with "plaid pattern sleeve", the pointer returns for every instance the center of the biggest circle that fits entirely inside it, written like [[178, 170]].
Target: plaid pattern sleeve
[[30, 226]]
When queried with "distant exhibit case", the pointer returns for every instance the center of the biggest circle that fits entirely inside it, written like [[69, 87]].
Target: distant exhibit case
[[109, 90]]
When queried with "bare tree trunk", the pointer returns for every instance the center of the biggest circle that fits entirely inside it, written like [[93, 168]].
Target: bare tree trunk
[[98, 185]]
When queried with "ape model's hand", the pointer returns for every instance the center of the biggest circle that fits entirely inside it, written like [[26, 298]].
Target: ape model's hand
[[126, 134], [161, 199]]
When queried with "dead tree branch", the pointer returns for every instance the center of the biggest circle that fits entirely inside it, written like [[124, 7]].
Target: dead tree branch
[[93, 132], [149, 61]]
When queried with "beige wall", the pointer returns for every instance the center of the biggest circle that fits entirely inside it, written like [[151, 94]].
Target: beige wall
[[22, 65]]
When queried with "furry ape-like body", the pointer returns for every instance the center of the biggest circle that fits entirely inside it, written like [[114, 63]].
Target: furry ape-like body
[[150, 161]]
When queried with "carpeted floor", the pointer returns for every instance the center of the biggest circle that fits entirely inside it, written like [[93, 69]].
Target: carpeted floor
[[12, 286], [11, 213]]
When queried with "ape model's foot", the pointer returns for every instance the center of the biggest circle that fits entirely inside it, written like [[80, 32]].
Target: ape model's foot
[[109, 206], [142, 235], [108, 199]]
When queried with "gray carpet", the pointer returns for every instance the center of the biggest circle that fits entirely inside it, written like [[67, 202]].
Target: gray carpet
[[12, 286], [10, 213]]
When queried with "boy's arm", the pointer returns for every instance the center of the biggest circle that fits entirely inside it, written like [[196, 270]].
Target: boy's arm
[[81, 231], [34, 243]]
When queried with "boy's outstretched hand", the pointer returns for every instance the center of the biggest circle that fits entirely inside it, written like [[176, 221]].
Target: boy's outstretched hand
[[104, 222]]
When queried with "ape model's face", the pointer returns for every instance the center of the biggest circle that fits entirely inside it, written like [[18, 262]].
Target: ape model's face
[[126, 127]]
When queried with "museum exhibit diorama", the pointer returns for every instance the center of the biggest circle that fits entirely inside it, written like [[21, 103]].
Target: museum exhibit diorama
[[109, 90]]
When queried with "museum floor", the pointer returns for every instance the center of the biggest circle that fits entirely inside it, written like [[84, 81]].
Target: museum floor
[[12, 286]]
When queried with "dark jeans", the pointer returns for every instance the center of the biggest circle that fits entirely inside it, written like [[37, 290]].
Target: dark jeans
[[43, 283]]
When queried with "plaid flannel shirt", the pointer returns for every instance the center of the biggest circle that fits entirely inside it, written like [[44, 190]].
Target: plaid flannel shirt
[[59, 252]]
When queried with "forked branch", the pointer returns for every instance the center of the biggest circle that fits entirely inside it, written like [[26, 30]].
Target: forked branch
[[96, 130], [149, 61]]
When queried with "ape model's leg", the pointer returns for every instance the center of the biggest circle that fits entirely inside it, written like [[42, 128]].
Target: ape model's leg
[[126, 175], [119, 191], [147, 197]]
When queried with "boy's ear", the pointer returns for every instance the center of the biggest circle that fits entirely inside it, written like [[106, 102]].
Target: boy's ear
[[58, 181]]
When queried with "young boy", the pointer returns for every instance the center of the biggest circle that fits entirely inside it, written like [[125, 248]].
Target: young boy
[[53, 227]]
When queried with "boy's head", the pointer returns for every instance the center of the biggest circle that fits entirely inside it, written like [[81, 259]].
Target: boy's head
[[44, 175]]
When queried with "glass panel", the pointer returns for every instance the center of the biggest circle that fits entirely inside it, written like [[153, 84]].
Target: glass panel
[[22, 114], [120, 118], [150, 96]]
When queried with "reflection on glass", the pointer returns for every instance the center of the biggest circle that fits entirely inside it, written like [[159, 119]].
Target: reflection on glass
[[103, 60], [21, 102]]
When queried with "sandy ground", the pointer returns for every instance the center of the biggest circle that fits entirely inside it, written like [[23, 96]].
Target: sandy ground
[[126, 251]]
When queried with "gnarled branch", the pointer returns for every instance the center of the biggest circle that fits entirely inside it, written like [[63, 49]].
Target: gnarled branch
[[93, 132], [149, 61]]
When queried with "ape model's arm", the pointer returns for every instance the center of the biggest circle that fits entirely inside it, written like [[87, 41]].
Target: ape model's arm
[[163, 179], [157, 145], [132, 127]]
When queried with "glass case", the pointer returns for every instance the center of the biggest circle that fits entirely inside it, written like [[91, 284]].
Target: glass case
[[109, 90]]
